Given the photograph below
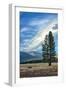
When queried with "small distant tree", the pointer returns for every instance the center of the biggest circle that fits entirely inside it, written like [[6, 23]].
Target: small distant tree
[[45, 48]]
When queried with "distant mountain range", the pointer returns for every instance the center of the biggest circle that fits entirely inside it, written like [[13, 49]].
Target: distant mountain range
[[24, 56]]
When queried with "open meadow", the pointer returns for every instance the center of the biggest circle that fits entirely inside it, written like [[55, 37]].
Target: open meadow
[[38, 70]]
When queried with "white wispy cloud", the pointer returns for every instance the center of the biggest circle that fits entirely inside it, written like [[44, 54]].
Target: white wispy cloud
[[37, 22], [43, 27], [39, 38], [24, 29]]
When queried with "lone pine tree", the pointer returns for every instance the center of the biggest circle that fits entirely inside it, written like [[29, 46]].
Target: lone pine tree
[[51, 47], [48, 48]]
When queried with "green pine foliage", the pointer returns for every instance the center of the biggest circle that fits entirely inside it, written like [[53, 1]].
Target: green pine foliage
[[48, 49]]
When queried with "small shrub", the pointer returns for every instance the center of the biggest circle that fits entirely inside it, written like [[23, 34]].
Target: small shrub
[[29, 67]]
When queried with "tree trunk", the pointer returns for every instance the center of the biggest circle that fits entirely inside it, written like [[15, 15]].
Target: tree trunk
[[50, 59], [50, 63]]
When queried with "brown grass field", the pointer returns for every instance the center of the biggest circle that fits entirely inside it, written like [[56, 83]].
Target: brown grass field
[[38, 70]]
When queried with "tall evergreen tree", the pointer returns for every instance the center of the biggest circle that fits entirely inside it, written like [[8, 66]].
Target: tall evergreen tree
[[51, 47], [48, 48]]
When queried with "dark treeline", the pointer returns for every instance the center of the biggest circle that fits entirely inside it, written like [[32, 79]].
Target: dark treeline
[[38, 61]]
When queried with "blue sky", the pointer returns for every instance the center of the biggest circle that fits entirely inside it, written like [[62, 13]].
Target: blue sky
[[33, 28]]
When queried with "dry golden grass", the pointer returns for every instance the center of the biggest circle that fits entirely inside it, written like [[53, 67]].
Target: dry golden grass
[[38, 69]]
